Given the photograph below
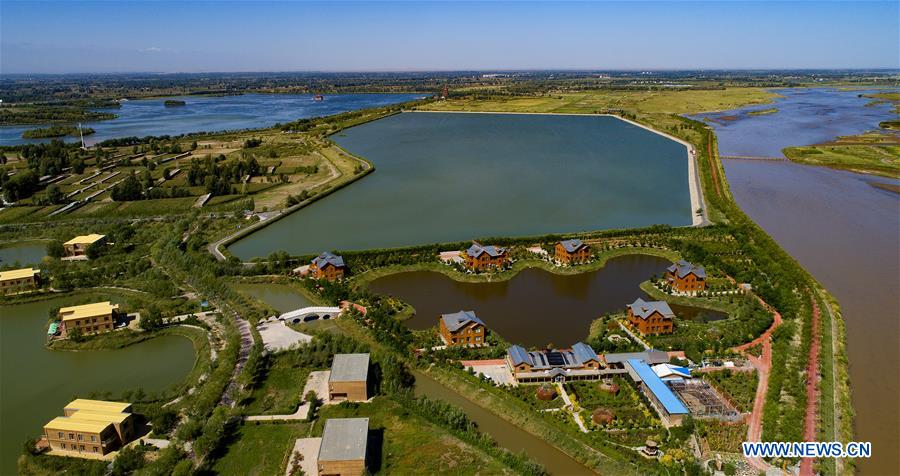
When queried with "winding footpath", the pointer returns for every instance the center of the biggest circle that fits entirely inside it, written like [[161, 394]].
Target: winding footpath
[[763, 365], [812, 387]]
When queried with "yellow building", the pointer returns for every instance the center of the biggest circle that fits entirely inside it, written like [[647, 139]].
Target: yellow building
[[77, 247], [91, 428], [88, 318], [16, 280]]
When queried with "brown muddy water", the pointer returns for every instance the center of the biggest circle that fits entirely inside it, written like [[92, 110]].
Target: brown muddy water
[[504, 433], [535, 307], [847, 234]]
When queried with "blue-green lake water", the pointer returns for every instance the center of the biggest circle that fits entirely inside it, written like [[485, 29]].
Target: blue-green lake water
[[446, 177], [150, 117]]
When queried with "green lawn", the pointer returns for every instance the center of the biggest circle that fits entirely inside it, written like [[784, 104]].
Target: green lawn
[[279, 391], [627, 406], [881, 160], [260, 449], [410, 445]]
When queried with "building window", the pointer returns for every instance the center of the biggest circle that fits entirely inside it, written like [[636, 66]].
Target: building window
[[60, 434], [62, 445], [96, 450], [82, 448], [93, 438], [80, 437], [71, 436]]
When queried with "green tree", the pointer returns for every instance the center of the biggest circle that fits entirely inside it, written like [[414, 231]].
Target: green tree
[[55, 249]]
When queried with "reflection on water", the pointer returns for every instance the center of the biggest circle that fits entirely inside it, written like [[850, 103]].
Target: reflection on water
[[36, 382], [535, 307], [150, 117]]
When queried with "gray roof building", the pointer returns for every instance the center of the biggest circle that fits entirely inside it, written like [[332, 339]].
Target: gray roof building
[[682, 268], [349, 368], [344, 439], [458, 320], [579, 355], [328, 258], [645, 309], [650, 356], [572, 245], [477, 249]]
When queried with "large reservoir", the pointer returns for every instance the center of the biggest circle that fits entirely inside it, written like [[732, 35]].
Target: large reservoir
[[449, 176]]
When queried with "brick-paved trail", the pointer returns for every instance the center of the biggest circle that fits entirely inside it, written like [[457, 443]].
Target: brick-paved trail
[[812, 388]]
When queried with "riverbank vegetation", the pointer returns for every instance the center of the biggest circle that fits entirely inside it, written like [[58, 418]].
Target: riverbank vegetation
[[57, 131], [876, 154]]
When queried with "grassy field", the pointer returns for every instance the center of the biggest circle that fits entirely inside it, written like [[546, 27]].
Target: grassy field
[[260, 449], [409, 444], [279, 393], [667, 102], [881, 160]]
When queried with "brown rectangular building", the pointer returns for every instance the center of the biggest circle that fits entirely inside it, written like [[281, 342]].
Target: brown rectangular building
[[572, 251], [480, 258], [651, 317], [462, 328], [349, 379], [684, 277], [344, 447], [328, 266]]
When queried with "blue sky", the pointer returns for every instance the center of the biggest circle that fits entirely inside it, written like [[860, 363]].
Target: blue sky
[[67, 37]]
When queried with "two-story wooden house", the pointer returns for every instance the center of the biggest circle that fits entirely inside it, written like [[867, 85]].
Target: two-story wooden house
[[328, 266], [479, 257], [651, 317], [572, 251], [684, 277], [462, 328]]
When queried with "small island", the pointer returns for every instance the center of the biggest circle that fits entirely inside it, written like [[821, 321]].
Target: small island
[[55, 131], [173, 103], [763, 112]]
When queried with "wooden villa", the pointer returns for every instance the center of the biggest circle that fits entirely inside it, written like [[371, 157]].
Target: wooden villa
[[572, 251], [651, 317]]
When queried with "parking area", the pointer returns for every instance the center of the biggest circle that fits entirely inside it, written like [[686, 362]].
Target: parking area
[[277, 336], [496, 370], [318, 382]]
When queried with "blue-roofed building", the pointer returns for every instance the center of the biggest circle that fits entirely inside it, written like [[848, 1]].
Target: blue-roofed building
[[572, 251], [684, 277], [578, 363], [462, 328], [671, 410], [480, 257], [327, 266]]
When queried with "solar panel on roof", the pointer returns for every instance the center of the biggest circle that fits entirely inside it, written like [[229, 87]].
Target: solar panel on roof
[[556, 358]]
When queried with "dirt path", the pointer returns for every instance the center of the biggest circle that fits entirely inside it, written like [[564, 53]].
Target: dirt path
[[812, 388], [243, 328], [763, 364], [713, 170]]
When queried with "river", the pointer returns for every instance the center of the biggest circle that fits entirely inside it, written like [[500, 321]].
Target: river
[[35, 382], [841, 229], [449, 177], [150, 117]]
